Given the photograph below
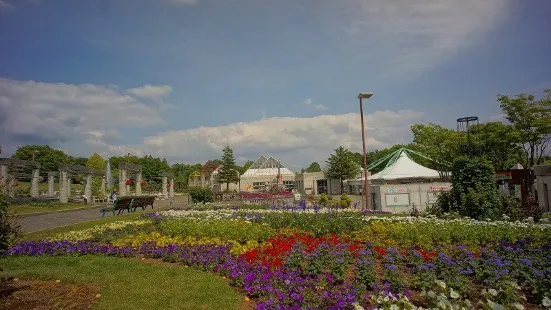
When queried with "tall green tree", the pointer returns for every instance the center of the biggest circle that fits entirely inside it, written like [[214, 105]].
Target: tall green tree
[[228, 172], [49, 158], [96, 162], [531, 119], [245, 166], [341, 166], [80, 161], [314, 167], [498, 143], [439, 143]]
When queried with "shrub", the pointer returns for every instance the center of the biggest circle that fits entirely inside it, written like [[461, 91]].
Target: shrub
[[345, 201], [9, 229], [201, 195], [323, 199], [531, 208]]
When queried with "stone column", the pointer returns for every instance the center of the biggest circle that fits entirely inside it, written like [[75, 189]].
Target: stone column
[[51, 180], [102, 188], [34, 183], [63, 187], [122, 182], [165, 191], [171, 189], [69, 185], [88, 188], [139, 183], [11, 186], [4, 179], [202, 180]]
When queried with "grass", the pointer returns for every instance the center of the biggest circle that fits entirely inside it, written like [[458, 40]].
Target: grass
[[129, 284], [40, 207]]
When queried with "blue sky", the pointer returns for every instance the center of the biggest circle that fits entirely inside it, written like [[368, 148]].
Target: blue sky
[[181, 78]]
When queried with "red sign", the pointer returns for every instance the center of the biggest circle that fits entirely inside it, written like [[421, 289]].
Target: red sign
[[439, 188]]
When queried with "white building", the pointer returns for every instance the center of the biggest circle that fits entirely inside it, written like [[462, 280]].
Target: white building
[[264, 172]]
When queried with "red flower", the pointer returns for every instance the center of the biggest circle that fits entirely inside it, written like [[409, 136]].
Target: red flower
[[380, 251]]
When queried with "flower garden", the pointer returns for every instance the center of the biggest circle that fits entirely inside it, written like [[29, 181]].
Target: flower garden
[[320, 258]]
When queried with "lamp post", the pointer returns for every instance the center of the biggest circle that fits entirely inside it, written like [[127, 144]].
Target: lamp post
[[366, 186]]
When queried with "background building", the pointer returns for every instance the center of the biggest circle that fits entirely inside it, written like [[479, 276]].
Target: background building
[[264, 172]]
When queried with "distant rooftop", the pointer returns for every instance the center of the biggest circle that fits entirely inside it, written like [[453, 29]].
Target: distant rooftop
[[267, 166]]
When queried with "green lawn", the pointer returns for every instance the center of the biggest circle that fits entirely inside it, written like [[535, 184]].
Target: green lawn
[[39, 207], [128, 284]]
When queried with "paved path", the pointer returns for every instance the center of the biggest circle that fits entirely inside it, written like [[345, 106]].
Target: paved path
[[37, 222]]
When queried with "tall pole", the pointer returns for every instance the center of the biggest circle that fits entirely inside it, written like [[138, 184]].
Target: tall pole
[[366, 187]]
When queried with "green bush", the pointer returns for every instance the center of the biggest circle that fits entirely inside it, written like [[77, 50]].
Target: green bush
[[319, 224], [474, 191], [201, 195], [345, 201], [324, 199], [9, 229]]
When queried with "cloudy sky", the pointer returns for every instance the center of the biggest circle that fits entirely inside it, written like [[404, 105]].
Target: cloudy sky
[[182, 78]]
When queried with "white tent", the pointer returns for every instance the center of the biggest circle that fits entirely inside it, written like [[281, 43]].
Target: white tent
[[266, 167], [405, 168]]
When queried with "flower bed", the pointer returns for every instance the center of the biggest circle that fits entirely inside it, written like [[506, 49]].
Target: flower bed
[[328, 259]]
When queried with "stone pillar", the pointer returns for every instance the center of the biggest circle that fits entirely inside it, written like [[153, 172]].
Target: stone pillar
[[34, 183], [11, 186], [69, 185], [102, 188], [139, 183], [171, 189], [63, 187], [4, 179], [202, 180], [122, 182], [88, 188], [51, 180], [165, 191]]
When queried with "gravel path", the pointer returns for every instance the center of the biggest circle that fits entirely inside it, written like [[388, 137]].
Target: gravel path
[[37, 222]]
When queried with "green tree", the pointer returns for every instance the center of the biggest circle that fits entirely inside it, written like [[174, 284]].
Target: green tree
[[437, 142], [341, 166], [245, 166], [498, 143], [96, 162], [228, 172], [49, 158], [314, 167], [531, 119], [80, 161]]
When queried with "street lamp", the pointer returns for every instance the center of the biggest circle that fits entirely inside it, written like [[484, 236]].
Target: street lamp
[[366, 187]]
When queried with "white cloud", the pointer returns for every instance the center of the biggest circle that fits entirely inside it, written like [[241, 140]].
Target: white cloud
[[58, 113], [321, 107], [293, 139], [150, 91], [415, 35], [5, 6], [308, 101]]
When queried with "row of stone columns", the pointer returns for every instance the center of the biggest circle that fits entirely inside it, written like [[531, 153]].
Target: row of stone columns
[[124, 189], [7, 183], [168, 192]]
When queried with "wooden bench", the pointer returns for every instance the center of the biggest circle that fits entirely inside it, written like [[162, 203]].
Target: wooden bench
[[143, 202], [121, 204]]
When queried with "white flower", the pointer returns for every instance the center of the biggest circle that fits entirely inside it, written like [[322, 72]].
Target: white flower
[[442, 284], [518, 306], [492, 291], [453, 294], [357, 306], [546, 302]]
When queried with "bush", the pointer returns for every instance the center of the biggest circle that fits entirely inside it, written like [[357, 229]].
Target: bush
[[9, 230], [345, 201], [324, 199], [201, 195]]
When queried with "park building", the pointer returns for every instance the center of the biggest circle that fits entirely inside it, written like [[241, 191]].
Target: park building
[[265, 172]]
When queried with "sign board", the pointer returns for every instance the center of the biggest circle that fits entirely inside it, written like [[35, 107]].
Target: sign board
[[397, 200], [397, 190], [502, 177], [439, 188]]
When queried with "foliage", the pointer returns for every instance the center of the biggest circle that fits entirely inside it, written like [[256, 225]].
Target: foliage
[[314, 167], [239, 231], [96, 162], [9, 229], [49, 158], [182, 173], [437, 142], [531, 121], [345, 201], [323, 200], [201, 195], [228, 172], [245, 166], [341, 166], [474, 192], [498, 143]]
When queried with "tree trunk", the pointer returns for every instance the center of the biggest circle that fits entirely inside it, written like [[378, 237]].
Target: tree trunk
[[227, 186], [342, 187]]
